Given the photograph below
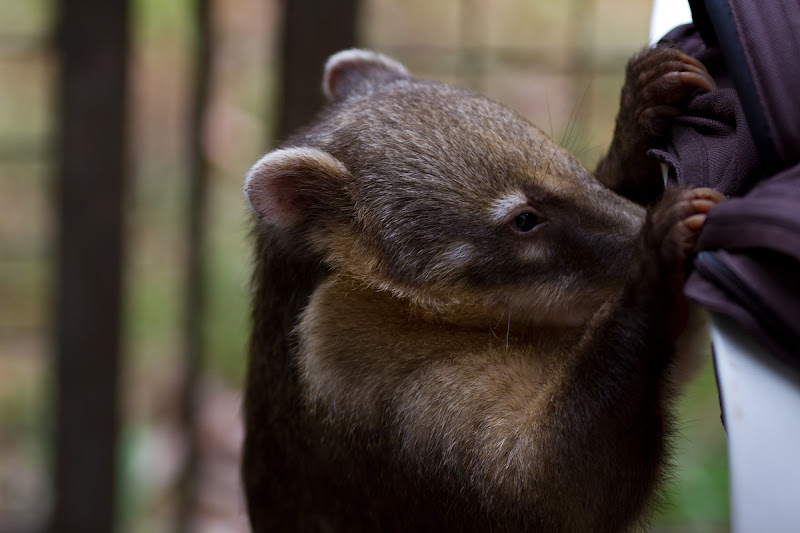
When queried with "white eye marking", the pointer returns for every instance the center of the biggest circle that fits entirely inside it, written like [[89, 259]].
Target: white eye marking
[[459, 254], [533, 251], [504, 205], [451, 260]]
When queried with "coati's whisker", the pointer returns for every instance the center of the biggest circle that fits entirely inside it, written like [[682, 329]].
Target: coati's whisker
[[508, 329]]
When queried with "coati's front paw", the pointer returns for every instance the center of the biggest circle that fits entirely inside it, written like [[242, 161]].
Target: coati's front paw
[[656, 81], [675, 222], [670, 235]]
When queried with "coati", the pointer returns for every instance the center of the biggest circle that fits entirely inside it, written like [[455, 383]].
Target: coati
[[456, 327]]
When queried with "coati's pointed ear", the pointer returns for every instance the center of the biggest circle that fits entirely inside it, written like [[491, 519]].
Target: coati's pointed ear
[[287, 185], [357, 70]]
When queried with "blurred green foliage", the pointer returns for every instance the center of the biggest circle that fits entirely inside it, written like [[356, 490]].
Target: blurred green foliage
[[698, 492]]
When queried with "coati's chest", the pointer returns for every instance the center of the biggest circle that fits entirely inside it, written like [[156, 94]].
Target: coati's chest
[[358, 344]]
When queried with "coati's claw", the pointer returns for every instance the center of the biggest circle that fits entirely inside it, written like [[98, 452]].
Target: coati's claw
[[659, 80], [657, 84], [670, 233], [676, 221]]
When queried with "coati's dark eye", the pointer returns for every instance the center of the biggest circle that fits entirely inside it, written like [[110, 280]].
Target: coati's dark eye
[[525, 222]]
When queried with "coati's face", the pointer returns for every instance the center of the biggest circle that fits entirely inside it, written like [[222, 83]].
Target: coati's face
[[446, 198]]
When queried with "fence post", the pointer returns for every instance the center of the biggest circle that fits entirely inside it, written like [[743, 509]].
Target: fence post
[[195, 299], [312, 31], [93, 50]]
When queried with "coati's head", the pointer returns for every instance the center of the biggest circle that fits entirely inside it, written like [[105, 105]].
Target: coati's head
[[445, 198]]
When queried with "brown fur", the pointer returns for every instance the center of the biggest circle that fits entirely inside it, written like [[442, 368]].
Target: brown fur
[[418, 364]]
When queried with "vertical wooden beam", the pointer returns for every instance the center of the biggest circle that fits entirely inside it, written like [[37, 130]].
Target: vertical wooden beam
[[312, 31], [195, 303], [93, 51]]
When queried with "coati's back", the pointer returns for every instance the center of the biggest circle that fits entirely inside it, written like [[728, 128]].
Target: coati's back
[[442, 338]]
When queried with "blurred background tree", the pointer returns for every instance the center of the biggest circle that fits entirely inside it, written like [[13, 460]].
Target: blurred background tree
[[210, 87]]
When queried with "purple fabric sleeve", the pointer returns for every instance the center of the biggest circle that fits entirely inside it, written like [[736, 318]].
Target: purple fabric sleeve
[[748, 264], [711, 144], [769, 36]]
